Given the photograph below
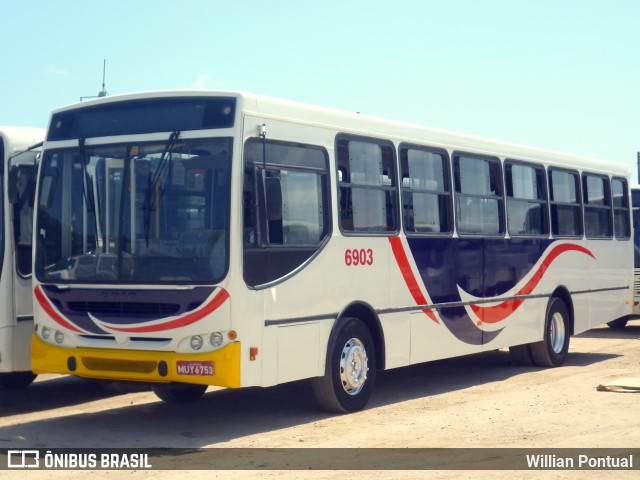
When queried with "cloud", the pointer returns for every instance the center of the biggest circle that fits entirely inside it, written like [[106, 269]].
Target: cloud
[[55, 71], [202, 80]]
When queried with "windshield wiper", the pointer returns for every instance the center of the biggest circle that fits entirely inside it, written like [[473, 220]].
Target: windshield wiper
[[32, 147], [87, 187], [152, 183], [86, 193]]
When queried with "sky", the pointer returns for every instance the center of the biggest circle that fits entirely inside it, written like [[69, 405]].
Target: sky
[[556, 74]]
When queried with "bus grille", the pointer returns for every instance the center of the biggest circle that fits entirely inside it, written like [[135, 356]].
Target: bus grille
[[111, 338], [127, 308], [111, 365]]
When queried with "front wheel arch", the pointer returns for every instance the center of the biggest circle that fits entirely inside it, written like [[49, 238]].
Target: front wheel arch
[[367, 315]]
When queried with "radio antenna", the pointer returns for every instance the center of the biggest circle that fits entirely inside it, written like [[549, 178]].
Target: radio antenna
[[103, 92]]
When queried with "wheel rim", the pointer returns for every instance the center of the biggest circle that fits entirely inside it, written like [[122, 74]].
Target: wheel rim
[[354, 366], [557, 332]]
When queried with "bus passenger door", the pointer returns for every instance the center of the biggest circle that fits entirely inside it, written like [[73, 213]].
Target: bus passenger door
[[21, 189]]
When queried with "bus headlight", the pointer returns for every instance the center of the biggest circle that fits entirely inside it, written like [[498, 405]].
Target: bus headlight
[[45, 333], [216, 339], [59, 337], [196, 342]]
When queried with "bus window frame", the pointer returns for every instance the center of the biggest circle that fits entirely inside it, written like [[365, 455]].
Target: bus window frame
[[258, 206], [448, 179], [607, 192], [502, 219], [576, 173], [394, 189], [628, 208], [544, 202]]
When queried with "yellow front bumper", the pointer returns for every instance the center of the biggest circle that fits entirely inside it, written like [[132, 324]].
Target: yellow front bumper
[[136, 365]]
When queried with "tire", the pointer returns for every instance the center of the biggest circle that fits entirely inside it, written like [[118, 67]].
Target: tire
[[179, 392], [123, 388], [521, 355], [552, 350], [17, 379], [350, 373], [618, 324]]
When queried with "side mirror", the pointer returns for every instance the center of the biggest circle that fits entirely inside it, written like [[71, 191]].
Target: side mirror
[[47, 191], [21, 184], [273, 198], [12, 185]]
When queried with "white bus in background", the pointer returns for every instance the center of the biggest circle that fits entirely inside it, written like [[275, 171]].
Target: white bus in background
[[19, 147], [621, 322], [635, 204], [189, 239]]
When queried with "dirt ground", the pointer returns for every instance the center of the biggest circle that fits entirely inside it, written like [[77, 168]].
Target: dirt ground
[[479, 401]]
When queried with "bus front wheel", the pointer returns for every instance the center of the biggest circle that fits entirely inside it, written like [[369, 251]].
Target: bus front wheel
[[552, 350], [350, 373], [179, 393], [17, 379]]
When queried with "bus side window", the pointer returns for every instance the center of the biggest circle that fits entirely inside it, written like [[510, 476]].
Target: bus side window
[[526, 199], [478, 195], [566, 207], [23, 218], [285, 207], [598, 221], [426, 190], [620, 197], [367, 186]]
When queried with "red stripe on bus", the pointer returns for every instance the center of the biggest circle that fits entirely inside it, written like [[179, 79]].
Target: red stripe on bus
[[409, 277], [47, 307], [193, 317], [497, 313]]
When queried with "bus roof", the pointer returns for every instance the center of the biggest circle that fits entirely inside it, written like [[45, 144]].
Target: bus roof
[[350, 122], [19, 138]]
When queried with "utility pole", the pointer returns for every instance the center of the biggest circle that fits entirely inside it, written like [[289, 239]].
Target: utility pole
[[638, 163]]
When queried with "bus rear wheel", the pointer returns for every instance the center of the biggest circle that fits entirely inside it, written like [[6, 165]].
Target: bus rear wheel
[[179, 392], [552, 350], [521, 355], [350, 373], [618, 323], [17, 379]]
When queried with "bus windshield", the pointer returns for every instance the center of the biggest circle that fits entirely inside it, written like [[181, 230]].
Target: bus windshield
[[1, 203], [135, 213]]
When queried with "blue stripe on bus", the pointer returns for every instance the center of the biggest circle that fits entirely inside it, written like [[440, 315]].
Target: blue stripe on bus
[[481, 267]]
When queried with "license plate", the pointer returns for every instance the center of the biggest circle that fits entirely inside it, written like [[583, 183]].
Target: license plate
[[186, 367]]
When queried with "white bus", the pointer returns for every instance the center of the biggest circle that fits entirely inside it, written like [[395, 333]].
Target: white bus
[[19, 147], [208, 238], [635, 205], [621, 322]]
